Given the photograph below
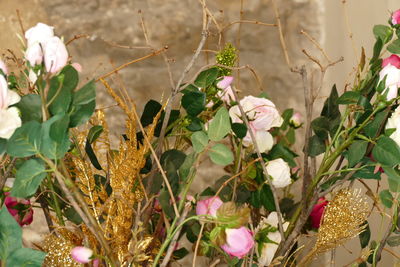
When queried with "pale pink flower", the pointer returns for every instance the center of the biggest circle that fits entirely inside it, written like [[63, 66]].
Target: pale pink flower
[[208, 206], [262, 115], [296, 120], [396, 17], [34, 54], [55, 55], [39, 33], [82, 254], [9, 116], [225, 82], [238, 242]]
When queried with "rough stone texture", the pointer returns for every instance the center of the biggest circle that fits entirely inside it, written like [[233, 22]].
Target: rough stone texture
[[177, 24]]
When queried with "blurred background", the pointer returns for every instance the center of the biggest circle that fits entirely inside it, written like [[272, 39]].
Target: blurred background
[[113, 35]]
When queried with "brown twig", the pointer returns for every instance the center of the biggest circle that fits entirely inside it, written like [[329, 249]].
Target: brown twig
[[155, 53], [281, 38], [196, 248], [20, 22], [76, 37]]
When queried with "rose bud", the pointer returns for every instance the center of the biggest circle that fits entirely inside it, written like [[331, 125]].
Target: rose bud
[[396, 17], [55, 55], [208, 206], [393, 60], [238, 242], [20, 209], [296, 120], [317, 212], [77, 66], [82, 254]]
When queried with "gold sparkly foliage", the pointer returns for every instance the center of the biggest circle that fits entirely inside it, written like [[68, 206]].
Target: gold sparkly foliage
[[58, 249], [343, 219]]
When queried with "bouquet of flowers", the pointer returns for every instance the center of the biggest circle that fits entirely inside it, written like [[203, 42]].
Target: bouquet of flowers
[[128, 204]]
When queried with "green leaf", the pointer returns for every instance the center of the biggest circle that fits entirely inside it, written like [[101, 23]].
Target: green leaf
[[331, 108], [195, 124], [165, 203], [28, 178], [377, 51], [320, 127], [356, 152], [372, 128], [350, 97], [3, 145], [221, 155], [82, 114], [26, 257], [393, 178], [25, 141], [240, 129], [55, 140], [187, 166], [267, 198], [386, 198], [316, 146], [220, 126], [383, 32], [199, 141], [85, 95], [281, 151], [150, 111], [30, 107], [92, 155], [94, 133], [286, 115], [206, 78], [194, 102], [10, 234], [386, 152], [365, 236], [394, 47]]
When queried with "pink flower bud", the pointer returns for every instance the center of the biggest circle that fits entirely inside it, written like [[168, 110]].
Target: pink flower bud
[[82, 254], [208, 206], [396, 17], [238, 242], [77, 66], [39, 33], [317, 212], [55, 55], [3, 67], [296, 120], [225, 82], [393, 60], [24, 216]]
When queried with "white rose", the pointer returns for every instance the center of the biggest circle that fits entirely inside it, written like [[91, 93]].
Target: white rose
[[9, 122], [39, 33], [394, 123], [392, 83], [279, 170], [268, 250]]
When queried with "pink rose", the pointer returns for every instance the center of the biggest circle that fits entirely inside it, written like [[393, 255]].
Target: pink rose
[[396, 17], [39, 33], [317, 212], [82, 254], [262, 115], [208, 206], [55, 55], [392, 81], [238, 242], [3, 67], [393, 60], [20, 209]]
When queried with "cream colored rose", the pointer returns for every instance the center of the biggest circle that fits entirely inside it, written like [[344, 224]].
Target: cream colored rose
[[394, 123], [279, 170]]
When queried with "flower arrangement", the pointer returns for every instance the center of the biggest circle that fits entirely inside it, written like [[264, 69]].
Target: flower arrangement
[[129, 205]]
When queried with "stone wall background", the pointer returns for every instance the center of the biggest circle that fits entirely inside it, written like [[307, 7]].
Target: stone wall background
[[177, 23]]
